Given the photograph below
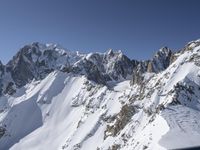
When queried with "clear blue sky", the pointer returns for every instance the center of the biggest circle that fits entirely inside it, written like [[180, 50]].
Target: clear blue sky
[[137, 27]]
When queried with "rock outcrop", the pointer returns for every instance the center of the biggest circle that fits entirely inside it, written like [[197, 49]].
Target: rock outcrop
[[161, 60]]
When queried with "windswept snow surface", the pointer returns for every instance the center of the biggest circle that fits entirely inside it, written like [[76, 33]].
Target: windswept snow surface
[[184, 127]]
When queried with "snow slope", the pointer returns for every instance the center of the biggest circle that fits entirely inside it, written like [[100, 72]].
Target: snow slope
[[67, 110], [52, 99]]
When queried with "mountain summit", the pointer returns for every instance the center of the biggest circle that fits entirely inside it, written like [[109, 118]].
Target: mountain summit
[[58, 99]]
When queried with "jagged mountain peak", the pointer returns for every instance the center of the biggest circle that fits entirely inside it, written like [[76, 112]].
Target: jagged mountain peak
[[164, 51], [161, 60], [37, 48], [113, 52], [108, 66], [48, 46], [37, 60], [110, 52]]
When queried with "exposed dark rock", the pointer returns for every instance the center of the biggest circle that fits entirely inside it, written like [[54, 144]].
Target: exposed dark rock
[[92, 72], [122, 119], [36, 61], [33, 61], [138, 73], [162, 59], [105, 67], [2, 69], [184, 93], [21, 69], [115, 147], [2, 131], [10, 89], [2, 72], [145, 147]]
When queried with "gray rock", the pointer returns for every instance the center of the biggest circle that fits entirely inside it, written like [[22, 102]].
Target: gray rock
[[105, 67], [161, 60]]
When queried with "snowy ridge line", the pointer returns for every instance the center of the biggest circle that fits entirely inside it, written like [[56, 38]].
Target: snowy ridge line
[[100, 101]]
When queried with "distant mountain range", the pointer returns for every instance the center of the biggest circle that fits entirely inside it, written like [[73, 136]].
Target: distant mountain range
[[52, 98]]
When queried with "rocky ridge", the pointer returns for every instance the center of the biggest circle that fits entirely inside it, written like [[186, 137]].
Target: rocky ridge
[[36, 61]]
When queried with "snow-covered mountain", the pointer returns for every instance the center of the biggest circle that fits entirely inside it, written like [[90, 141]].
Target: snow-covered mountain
[[52, 98]]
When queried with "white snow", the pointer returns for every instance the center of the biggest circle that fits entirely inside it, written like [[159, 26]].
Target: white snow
[[184, 127], [67, 111]]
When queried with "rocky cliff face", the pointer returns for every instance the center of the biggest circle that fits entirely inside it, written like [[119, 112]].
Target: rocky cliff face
[[36, 61], [103, 67], [161, 60], [2, 69]]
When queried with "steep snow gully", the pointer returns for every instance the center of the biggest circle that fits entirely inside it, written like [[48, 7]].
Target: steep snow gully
[[56, 99]]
